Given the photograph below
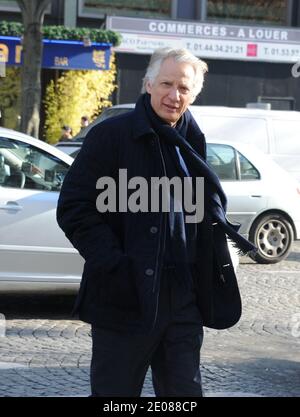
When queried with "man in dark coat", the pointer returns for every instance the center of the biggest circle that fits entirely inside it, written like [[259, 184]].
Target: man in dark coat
[[151, 279]]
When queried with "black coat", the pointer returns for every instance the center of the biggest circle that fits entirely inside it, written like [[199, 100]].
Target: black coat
[[123, 251]]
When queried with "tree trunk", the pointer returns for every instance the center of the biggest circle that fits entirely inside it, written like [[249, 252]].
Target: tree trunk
[[33, 12]]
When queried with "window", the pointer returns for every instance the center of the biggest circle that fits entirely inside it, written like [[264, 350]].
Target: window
[[9, 5], [25, 166], [100, 8], [274, 12], [287, 137], [247, 170], [221, 158]]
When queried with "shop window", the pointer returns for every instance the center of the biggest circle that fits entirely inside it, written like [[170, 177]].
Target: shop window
[[274, 12], [100, 8]]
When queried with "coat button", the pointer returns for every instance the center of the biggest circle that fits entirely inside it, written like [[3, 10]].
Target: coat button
[[149, 272], [153, 229]]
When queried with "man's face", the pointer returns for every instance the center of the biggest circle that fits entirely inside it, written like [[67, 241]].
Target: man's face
[[172, 90], [66, 133]]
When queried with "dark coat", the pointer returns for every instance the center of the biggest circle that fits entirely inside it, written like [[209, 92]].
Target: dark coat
[[123, 251]]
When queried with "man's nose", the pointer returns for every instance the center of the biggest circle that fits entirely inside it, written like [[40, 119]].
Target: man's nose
[[174, 94]]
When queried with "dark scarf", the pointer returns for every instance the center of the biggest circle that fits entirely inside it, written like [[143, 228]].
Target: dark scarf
[[215, 198]]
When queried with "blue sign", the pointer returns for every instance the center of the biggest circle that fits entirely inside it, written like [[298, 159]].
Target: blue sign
[[59, 54]]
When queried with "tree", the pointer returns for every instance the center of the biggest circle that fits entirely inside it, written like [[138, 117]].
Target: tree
[[33, 12], [75, 94], [10, 97]]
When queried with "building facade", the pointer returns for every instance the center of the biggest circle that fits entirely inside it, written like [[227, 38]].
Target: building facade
[[252, 47]]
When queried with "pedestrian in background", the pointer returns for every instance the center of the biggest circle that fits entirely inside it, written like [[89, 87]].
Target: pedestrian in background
[[151, 280], [84, 122], [66, 133]]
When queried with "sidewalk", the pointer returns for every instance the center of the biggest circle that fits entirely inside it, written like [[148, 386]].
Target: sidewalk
[[260, 356]]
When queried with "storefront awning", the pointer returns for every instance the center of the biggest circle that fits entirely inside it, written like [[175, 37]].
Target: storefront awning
[[60, 54]]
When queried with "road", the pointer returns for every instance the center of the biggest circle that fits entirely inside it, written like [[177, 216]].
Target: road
[[45, 353]]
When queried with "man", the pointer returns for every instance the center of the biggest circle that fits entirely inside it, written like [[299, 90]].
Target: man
[[151, 279], [66, 133], [84, 121]]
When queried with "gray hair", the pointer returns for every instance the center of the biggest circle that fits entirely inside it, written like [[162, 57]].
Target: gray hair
[[179, 55]]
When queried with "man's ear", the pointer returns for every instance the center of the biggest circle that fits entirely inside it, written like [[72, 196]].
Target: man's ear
[[193, 98], [148, 87]]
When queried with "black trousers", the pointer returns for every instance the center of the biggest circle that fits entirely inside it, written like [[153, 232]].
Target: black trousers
[[120, 361]]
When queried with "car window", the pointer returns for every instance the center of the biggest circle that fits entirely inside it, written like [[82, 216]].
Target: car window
[[247, 170], [106, 114], [25, 166], [222, 160], [111, 112]]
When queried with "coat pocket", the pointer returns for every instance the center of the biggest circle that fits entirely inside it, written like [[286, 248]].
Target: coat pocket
[[121, 289]]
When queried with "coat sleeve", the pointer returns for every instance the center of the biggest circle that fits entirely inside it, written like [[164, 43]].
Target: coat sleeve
[[77, 214]]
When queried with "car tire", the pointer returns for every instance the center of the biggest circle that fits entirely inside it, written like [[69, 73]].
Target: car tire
[[273, 235]]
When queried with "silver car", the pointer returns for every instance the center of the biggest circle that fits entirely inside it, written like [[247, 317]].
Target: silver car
[[262, 196], [33, 250]]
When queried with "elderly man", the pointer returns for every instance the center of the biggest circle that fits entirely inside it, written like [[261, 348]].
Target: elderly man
[[151, 279]]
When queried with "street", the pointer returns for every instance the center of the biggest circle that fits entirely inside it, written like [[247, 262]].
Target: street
[[45, 353]]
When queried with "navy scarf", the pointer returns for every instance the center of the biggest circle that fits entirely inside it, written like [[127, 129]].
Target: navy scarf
[[215, 198]]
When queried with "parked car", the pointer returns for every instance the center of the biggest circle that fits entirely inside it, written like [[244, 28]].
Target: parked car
[[34, 252], [274, 132], [262, 196]]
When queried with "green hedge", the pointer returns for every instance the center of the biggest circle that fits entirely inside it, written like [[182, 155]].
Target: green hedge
[[64, 33]]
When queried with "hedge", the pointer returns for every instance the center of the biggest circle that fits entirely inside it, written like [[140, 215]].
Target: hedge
[[64, 33]]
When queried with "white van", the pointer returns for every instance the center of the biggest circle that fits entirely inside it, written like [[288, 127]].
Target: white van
[[274, 132]]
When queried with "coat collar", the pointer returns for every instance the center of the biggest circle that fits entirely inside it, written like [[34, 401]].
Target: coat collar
[[143, 129], [141, 123]]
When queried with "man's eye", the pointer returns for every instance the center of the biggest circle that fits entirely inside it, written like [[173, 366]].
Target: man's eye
[[184, 90]]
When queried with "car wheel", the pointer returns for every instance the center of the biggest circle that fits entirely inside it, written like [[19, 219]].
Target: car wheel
[[273, 235]]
